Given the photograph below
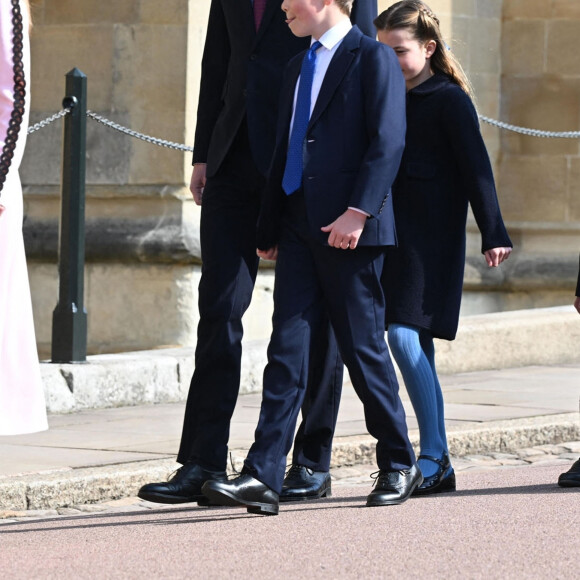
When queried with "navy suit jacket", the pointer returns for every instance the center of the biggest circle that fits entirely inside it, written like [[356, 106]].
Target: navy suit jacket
[[242, 73], [354, 143]]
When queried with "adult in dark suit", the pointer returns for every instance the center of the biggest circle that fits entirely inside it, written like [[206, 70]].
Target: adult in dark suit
[[246, 50], [571, 478], [330, 250]]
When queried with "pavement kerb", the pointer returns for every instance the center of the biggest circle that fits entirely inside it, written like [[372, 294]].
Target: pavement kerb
[[543, 336], [69, 487]]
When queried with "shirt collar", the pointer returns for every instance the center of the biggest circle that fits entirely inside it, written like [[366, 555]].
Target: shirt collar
[[335, 34]]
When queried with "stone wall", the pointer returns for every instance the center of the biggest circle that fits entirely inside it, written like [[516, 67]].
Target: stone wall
[[142, 59], [540, 178]]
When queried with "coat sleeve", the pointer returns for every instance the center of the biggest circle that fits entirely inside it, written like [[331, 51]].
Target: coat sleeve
[[462, 125], [214, 67], [363, 14]]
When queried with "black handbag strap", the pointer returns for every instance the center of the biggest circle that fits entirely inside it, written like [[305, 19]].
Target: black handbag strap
[[19, 93]]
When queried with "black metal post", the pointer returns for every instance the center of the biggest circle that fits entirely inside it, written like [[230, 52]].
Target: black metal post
[[69, 319]]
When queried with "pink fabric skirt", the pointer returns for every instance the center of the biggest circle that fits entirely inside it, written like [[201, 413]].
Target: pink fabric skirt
[[22, 402]]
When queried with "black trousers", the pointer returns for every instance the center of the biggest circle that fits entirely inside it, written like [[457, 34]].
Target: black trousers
[[229, 213]]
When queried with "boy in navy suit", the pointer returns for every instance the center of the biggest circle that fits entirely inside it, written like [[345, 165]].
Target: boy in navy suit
[[326, 218]]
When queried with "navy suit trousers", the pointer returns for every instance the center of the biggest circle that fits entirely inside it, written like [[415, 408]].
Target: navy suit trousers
[[313, 281]]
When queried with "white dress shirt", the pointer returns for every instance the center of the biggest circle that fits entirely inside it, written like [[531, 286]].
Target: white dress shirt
[[330, 41]]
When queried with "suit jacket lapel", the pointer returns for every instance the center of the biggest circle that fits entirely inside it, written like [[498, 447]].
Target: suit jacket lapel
[[337, 68]]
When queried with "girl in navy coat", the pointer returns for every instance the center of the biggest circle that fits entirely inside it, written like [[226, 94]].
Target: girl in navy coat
[[444, 168]]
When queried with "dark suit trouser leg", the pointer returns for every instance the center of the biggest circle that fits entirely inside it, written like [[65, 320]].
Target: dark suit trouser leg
[[298, 312], [313, 440], [229, 213], [354, 298], [308, 278]]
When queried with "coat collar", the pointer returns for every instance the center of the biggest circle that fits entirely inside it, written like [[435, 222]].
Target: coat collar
[[431, 85]]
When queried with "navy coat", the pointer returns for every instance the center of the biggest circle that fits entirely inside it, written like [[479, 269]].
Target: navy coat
[[444, 168], [353, 145]]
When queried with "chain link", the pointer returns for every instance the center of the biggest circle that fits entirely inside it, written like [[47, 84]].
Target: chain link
[[531, 132], [48, 121], [178, 146], [130, 132]]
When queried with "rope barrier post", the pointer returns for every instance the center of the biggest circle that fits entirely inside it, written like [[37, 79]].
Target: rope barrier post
[[69, 319]]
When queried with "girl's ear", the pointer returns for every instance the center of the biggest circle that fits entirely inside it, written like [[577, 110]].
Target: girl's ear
[[430, 48]]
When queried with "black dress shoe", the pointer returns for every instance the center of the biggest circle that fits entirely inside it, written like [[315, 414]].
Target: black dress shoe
[[244, 490], [394, 487], [303, 483], [572, 477], [442, 480], [183, 487]]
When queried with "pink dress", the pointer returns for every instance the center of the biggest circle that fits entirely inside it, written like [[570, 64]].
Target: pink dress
[[22, 402]]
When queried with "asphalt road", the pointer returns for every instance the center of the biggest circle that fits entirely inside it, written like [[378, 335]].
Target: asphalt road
[[503, 523]]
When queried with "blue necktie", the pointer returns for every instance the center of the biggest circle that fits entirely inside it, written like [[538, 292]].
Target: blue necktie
[[292, 179]]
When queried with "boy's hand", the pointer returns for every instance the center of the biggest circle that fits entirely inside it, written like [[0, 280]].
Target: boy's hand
[[346, 230], [197, 182], [270, 254], [496, 256]]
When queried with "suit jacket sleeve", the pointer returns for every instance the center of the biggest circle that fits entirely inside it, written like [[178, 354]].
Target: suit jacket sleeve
[[214, 66], [473, 162], [384, 94], [363, 14]]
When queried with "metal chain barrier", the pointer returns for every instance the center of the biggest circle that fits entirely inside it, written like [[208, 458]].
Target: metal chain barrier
[[48, 121], [131, 133], [531, 132], [180, 147]]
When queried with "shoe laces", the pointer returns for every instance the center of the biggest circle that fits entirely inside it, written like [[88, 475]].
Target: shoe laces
[[376, 475], [295, 469], [175, 474]]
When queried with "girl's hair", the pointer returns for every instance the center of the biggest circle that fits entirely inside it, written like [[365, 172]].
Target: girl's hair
[[417, 17]]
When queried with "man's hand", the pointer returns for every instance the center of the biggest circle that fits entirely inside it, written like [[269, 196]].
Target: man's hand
[[270, 254], [496, 256], [345, 231], [197, 182]]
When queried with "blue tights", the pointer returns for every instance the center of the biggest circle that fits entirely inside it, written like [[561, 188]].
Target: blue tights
[[414, 354]]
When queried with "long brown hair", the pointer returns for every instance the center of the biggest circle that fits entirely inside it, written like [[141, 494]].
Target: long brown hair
[[418, 18]]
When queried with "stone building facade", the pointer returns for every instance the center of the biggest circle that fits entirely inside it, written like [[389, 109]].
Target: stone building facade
[[142, 60]]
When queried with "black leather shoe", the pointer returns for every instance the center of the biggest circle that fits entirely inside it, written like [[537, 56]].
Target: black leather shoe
[[394, 487], [183, 487], [572, 477], [303, 483], [442, 480], [244, 490]]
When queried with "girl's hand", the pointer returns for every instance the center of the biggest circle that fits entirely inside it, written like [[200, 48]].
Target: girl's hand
[[496, 256]]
